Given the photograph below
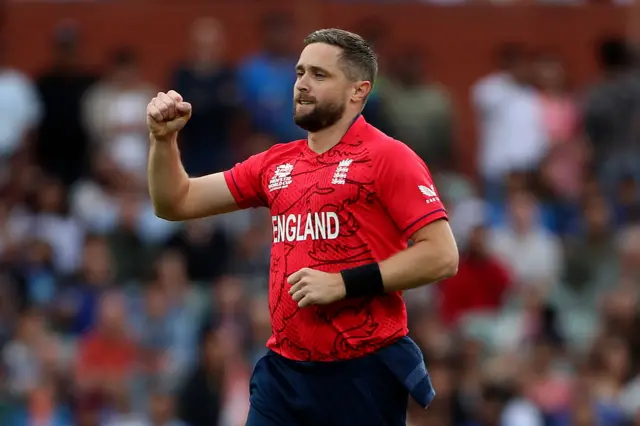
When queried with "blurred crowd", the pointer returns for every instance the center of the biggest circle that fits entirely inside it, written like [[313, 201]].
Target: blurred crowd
[[110, 316]]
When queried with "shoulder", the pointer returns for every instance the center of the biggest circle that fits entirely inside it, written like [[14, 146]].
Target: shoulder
[[384, 148], [280, 149], [490, 82], [279, 153]]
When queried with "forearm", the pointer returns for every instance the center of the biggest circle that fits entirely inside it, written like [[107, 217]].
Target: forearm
[[421, 264], [168, 181]]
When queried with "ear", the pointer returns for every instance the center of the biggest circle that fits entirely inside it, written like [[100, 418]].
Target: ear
[[360, 91]]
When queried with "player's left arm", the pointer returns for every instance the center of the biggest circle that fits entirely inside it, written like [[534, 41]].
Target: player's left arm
[[406, 190], [432, 257]]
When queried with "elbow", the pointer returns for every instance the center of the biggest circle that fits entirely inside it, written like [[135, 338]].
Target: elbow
[[166, 213], [448, 263]]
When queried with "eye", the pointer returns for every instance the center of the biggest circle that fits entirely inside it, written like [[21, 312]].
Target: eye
[[299, 73], [319, 75]]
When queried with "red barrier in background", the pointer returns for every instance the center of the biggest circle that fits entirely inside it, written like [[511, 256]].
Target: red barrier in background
[[460, 40]]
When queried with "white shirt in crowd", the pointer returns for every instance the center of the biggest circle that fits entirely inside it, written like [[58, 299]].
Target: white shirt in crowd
[[20, 109], [510, 124], [520, 412], [534, 258]]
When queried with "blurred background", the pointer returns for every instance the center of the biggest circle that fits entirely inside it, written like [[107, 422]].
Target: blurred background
[[527, 114]]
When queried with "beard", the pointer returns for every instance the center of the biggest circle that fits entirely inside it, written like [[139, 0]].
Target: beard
[[323, 115]]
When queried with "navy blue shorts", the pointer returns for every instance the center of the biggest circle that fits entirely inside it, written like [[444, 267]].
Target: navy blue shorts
[[359, 392]]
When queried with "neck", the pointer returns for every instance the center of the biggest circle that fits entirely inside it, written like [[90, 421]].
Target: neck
[[322, 141]]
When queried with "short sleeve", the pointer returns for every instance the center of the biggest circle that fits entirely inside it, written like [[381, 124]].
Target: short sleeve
[[405, 188], [245, 182]]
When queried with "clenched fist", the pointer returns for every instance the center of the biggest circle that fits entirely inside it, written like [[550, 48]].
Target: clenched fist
[[313, 287], [167, 114]]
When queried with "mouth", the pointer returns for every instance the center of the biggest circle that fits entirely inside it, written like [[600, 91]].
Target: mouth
[[305, 101]]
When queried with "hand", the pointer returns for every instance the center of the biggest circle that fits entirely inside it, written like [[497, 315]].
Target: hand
[[167, 114], [312, 287]]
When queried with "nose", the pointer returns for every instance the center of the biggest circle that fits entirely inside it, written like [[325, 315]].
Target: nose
[[301, 85]]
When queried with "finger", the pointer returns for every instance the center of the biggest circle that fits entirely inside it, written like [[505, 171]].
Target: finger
[[298, 286], [175, 96], [183, 108], [296, 276], [162, 106], [307, 300], [169, 111], [154, 113], [299, 295]]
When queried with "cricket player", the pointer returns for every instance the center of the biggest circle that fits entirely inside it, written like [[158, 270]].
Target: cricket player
[[344, 203]]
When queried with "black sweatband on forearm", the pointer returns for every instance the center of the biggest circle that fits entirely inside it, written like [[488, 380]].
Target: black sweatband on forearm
[[361, 281]]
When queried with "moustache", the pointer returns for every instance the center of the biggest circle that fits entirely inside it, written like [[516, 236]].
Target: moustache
[[302, 98]]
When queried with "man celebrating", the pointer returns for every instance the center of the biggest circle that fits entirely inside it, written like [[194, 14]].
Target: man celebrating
[[344, 203]]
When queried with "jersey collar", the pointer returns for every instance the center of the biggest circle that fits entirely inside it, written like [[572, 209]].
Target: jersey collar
[[356, 130]]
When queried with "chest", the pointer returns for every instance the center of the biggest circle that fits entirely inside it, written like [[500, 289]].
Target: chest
[[335, 183]]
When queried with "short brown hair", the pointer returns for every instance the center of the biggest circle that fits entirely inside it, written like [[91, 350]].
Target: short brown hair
[[359, 59]]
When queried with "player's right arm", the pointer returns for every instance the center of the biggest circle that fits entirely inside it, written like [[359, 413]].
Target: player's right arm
[[175, 196]]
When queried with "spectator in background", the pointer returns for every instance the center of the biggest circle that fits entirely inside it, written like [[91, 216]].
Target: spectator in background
[[185, 310], [94, 198], [627, 202], [210, 85], [480, 285], [419, 112], [494, 399], [547, 386], [207, 248], [77, 304], [611, 366], [39, 275], [611, 115], [114, 112], [201, 399], [20, 108], [131, 256], [62, 143], [532, 254], [566, 159], [591, 254], [20, 358], [155, 334], [107, 355], [629, 250], [270, 105], [162, 410], [228, 312], [509, 119], [33, 363], [50, 221], [122, 412]]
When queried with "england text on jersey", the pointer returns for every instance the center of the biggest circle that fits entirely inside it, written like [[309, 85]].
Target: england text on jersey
[[301, 227]]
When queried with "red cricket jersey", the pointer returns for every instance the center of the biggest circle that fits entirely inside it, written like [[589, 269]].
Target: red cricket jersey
[[357, 203]]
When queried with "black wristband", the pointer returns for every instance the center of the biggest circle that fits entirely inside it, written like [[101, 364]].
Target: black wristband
[[362, 281]]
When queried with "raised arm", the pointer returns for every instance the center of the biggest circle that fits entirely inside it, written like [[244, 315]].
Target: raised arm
[[175, 196]]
